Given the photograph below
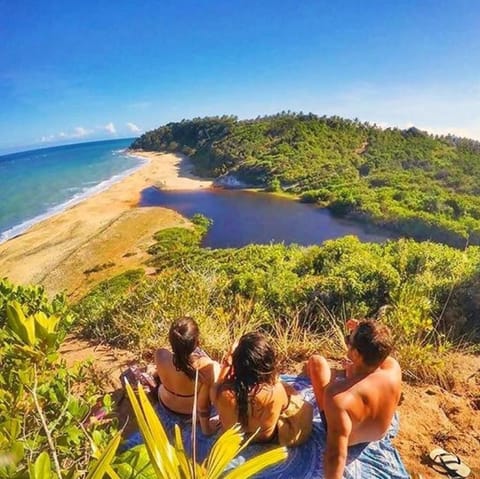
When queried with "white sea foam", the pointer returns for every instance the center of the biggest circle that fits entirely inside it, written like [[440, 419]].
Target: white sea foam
[[77, 198]]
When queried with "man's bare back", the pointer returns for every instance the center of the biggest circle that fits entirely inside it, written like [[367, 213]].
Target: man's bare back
[[359, 407], [370, 401]]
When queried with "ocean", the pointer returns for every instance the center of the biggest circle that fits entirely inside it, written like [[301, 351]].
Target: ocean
[[37, 184]]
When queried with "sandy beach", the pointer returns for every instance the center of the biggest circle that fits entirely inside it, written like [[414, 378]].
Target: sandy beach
[[107, 231]]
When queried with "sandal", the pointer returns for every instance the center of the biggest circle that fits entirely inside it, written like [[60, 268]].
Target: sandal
[[450, 463]]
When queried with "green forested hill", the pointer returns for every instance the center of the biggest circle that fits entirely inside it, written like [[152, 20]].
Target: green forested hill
[[407, 180]]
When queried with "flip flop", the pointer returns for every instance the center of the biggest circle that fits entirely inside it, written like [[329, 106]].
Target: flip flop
[[451, 463]]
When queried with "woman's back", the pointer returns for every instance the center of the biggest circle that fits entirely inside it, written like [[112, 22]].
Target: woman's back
[[177, 390], [265, 403], [251, 393], [177, 371]]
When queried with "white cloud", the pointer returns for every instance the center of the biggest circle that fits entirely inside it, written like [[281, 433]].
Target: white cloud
[[110, 128], [133, 128], [78, 132], [437, 109]]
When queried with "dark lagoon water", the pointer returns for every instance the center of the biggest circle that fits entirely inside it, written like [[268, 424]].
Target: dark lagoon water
[[243, 217]]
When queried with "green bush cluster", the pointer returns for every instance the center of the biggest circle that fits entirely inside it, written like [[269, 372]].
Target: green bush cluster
[[96, 307], [427, 292], [42, 414], [34, 300], [416, 184]]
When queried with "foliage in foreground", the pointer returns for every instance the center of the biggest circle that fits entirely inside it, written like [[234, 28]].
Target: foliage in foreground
[[42, 414], [409, 181], [171, 461], [46, 431], [162, 459]]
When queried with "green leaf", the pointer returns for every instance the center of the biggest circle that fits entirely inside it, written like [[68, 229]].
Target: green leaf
[[185, 464], [134, 463], [103, 464], [161, 453], [23, 327], [258, 463], [224, 450], [107, 402], [41, 325], [97, 437], [42, 467], [10, 459], [29, 351], [74, 434]]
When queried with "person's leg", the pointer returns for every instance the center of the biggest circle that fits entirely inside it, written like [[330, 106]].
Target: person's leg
[[320, 375]]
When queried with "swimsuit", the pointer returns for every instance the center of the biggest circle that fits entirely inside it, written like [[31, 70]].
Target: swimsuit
[[177, 394], [324, 419]]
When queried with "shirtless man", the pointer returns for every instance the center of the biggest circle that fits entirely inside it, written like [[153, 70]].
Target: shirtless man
[[359, 408]]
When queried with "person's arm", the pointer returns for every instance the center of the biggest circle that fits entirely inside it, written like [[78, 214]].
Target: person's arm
[[207, 425], [225, 366], [226, 363], [339, 427], [206, 379]]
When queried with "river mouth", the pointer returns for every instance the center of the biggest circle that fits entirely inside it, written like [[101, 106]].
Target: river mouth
[[244, 217]]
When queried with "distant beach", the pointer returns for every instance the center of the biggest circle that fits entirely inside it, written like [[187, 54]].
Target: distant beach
[[105, 228], [172, 171]]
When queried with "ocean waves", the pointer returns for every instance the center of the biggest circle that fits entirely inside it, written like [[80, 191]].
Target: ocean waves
[[17, 216]]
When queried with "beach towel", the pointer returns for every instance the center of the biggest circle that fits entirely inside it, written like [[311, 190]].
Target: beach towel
[[376, 460]]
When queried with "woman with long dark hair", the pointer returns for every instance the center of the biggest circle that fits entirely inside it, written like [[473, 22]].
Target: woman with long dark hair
[[177, 368], [249, 391]]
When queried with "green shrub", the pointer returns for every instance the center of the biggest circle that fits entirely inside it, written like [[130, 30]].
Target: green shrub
[[42, 402], [202, 223], [422, 286], [98, 305], [34, 300]]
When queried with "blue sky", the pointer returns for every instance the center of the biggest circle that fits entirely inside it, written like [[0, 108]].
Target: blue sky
[[78, 71]]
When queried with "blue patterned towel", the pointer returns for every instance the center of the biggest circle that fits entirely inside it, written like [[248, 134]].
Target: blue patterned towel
[[376, 460]]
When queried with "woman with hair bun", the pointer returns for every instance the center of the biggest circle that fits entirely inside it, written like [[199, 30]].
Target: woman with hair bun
[[176, 370], [249, 391]]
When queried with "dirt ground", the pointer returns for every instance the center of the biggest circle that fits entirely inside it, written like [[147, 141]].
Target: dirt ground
[[433, 417], [429, 415]]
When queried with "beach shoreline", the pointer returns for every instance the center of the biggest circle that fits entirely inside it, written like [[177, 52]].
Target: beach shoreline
[[176, 172], [100, 229]]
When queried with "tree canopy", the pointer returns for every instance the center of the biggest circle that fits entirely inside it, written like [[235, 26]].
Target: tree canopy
[[409, 181]]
